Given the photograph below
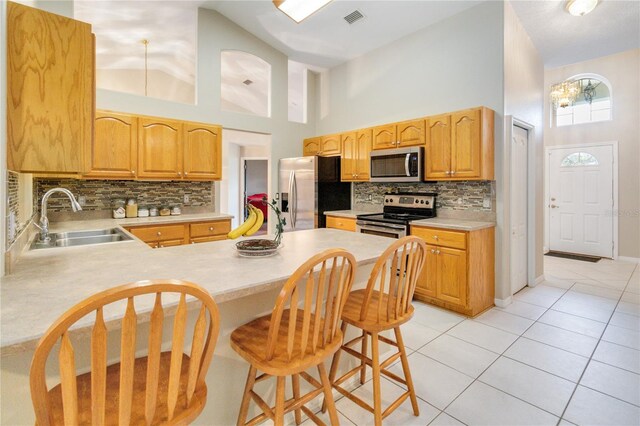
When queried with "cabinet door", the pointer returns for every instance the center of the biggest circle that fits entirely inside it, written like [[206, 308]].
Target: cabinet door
[[311, 146], [384, 137], [159, 149], [438, 148], [452, 275], [114, 151], [330, 145], [50, 92], [363, 155], [348, 160], [428, 281], [466, 144], [202, 151], [410, 133]]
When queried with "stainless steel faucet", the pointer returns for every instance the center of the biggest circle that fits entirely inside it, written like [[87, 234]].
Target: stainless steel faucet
[[44, 221]]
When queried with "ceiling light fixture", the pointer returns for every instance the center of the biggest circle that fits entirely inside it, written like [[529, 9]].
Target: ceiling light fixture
[[580, 7], [298, 10], [565, 93]]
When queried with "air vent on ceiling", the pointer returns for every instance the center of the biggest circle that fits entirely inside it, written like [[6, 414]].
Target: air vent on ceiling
[[247, 82], [354, 16]]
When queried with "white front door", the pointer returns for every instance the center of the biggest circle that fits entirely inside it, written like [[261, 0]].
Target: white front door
[[518, 209], [581, 200]]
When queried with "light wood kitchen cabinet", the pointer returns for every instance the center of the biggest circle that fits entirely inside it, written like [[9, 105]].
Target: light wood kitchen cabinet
[[161, 235], [159, 148], [203, 232], [330, 146], [114, 151], [311, 146], [465, 151], [339, 222], [50, 91], [202, 151], [168, 235], [459, 269], [356, 154], [399, 135]]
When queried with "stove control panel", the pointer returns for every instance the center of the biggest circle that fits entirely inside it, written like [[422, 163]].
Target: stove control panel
[[411, 201]]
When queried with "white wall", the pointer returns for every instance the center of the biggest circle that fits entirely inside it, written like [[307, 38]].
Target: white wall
[[230, 185], [524, 98], [256, 176], [454, 64], [623, 71]]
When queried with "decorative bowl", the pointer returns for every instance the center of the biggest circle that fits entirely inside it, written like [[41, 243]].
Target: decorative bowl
[[258, 247]]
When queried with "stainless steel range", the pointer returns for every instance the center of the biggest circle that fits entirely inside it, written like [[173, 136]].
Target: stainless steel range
[[399, 209]]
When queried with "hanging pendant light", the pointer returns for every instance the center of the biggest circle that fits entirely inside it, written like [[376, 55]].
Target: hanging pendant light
[[565, 93]]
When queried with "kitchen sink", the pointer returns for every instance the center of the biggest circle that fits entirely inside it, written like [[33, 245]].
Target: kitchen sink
[[82, 238]]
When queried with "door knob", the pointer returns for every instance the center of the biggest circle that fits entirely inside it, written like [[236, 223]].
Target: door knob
[[553, 199]]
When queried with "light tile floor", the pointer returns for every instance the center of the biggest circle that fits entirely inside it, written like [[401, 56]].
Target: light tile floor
[[564, 352]]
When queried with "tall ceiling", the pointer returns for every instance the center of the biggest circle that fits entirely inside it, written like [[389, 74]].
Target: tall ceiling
[[562, 39]]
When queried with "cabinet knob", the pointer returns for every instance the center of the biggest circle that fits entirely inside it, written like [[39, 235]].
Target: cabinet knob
[[211, 228], [435, 237], [159, 233], [433, 251], [448, 172], [161, 246], [133, 172], [437, 251], [453, 172], [179, 173]]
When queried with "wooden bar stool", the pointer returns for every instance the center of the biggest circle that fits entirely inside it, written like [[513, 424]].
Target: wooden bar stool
[[160, 388], [384, 305], [301, 332]]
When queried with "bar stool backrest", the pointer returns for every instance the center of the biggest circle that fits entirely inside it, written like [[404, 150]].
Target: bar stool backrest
[[395, 274], [308, 309], [205, 334]]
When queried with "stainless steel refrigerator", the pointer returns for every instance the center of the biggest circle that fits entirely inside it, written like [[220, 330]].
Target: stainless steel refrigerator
[[309, 186]]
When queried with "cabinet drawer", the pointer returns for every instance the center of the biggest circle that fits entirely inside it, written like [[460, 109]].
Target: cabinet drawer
[[196, 240], [170, 243], [441, 237], [159, 233], [344, 223], [208, 229]]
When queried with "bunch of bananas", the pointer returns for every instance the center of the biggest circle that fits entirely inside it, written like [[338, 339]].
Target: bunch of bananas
[[250, 226]]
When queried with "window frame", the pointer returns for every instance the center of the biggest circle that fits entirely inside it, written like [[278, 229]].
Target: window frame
[[582, 76]]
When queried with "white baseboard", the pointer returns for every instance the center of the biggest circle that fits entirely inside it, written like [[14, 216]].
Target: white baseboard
[[503, 303], [628, 259], [538, 280], [545, 249]]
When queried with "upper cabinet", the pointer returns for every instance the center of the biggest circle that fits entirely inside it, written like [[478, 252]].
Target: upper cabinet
[[159, 148], [50, 91], [202, 151], [356, 151], [398, 135], [114, 151], [460, 146], [325, 146], [137, 147]]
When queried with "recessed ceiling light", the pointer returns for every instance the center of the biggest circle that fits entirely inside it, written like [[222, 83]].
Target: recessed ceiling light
[[580, 7], [299, 9]]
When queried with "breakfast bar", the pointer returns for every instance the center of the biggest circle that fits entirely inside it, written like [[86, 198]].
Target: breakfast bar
[[45, 283]]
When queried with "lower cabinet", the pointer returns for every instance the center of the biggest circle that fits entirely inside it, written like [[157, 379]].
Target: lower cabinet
[[169, 235], [459, 269], [344, 223]]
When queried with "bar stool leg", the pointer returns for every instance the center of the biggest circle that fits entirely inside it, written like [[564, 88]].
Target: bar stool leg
[[246, 396], [377, 403], [328, 396], [295, 384], [406, 371], [334, 364], [279, 412], [363, 365]]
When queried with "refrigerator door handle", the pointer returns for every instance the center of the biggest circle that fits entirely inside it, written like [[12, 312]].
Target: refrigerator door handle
[[294, 199], [406, 165]]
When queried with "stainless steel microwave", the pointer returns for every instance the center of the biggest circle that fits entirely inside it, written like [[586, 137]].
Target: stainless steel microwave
[[397, 165]]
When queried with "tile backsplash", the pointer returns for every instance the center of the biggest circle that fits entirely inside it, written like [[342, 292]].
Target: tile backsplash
[[100, 194], [15, 206], [467, 196]]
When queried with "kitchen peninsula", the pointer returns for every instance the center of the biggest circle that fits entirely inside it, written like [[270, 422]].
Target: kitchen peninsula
[[47, 282]]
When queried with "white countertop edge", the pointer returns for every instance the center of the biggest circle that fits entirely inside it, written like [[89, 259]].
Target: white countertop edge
[[455, 224]]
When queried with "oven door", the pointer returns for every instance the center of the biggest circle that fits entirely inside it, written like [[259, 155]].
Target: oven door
[[382, 229]]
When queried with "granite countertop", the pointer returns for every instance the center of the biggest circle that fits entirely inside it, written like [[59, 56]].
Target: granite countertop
[[456, 224], [348, 213], [45, 283]]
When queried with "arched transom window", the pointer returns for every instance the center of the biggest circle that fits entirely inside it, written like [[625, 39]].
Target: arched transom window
[[592, 104], [579, 159]]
